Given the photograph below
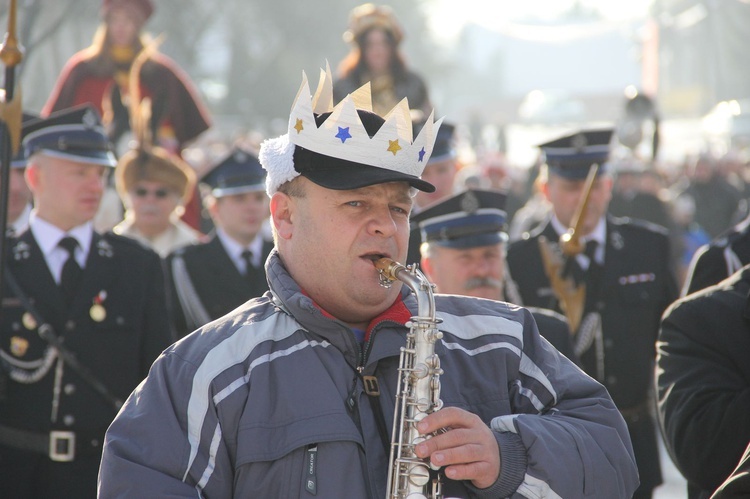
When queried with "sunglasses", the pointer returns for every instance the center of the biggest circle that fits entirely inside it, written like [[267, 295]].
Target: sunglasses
[[142, 192]]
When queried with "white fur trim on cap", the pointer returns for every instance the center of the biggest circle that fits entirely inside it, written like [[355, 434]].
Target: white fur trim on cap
[[277, 158]]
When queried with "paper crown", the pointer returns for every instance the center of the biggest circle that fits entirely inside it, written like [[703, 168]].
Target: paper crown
[[342, 135]]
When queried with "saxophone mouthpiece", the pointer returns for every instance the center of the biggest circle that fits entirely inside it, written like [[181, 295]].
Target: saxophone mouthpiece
[[387, 270]]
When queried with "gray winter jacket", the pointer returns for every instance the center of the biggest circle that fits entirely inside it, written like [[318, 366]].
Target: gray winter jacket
[[267, 402]]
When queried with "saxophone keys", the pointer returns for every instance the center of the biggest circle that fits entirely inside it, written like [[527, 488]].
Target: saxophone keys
[[419, 475]]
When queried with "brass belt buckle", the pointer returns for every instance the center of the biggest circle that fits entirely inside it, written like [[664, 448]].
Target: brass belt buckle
[[62, 446]]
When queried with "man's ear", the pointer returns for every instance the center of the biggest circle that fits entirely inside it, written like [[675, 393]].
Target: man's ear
[[544, 189], [282, 211], [31, 175]]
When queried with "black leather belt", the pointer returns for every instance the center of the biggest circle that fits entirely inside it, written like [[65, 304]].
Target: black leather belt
[[58, 445]]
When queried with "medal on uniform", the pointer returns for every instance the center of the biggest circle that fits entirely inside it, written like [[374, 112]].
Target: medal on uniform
[[97, 312], [18, 346], [28, 321]]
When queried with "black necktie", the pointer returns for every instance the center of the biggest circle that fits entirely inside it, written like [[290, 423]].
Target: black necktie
[[247, 256], [590, 252], [71, 271]]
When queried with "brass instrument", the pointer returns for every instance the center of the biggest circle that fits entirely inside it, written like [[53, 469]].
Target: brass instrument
[[572, 296], [418, 391]]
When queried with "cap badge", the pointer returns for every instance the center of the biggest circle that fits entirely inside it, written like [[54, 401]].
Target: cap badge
[[90, 119], [579, 142], [469, 202]]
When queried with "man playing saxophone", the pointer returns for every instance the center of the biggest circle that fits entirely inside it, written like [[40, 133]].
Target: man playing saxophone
[[624, 275], [293, 393]]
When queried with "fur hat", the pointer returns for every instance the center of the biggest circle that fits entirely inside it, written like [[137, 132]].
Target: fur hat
[[154, 165], [142, 8], [368, 16]]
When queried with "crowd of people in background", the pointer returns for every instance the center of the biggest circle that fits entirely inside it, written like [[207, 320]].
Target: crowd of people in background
[[164, 244]]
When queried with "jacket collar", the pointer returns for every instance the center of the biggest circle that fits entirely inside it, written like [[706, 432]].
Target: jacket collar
[[289, 297]]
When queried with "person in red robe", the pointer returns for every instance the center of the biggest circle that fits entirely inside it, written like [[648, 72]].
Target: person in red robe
[[100, 75]]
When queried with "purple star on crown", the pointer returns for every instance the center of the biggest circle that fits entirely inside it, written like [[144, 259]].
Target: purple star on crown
[[343, 134], [421, 154]]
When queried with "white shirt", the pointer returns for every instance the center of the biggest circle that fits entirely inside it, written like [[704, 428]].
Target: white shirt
[[599, 234], [235, 250], [48, 236]]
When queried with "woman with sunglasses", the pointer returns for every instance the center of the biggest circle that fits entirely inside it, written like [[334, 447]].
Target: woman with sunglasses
[[155, 186]]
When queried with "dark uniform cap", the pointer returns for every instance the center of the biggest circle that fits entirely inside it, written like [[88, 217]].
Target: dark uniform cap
[[20, 159], [445, 146], [467, 220], [75, 134], [571, 156], [237, 173]]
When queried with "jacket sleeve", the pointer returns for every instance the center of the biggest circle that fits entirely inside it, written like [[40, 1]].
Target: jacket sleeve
[[575, 442], [703, 395], [147, 447]]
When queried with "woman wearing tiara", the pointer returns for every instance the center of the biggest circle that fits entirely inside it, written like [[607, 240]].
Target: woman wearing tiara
[[375, 35]]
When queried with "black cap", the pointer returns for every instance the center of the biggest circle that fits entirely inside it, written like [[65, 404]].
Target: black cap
[[237, 173], [467, 220], [572, 156], [343, 174], [76, 134]]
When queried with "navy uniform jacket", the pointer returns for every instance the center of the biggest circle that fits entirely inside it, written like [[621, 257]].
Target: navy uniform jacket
[[637, 285], [218, 283], [721, 258], [127, 281]]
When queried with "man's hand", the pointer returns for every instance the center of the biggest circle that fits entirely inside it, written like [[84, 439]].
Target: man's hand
[[467, 451]]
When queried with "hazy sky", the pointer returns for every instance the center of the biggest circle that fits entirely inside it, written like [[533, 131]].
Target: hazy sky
[[448, 15]]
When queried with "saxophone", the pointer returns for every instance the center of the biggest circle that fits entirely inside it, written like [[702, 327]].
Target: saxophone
[[418, 392]]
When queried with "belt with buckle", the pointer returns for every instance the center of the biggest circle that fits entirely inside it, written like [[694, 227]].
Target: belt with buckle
[[58, 445]]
